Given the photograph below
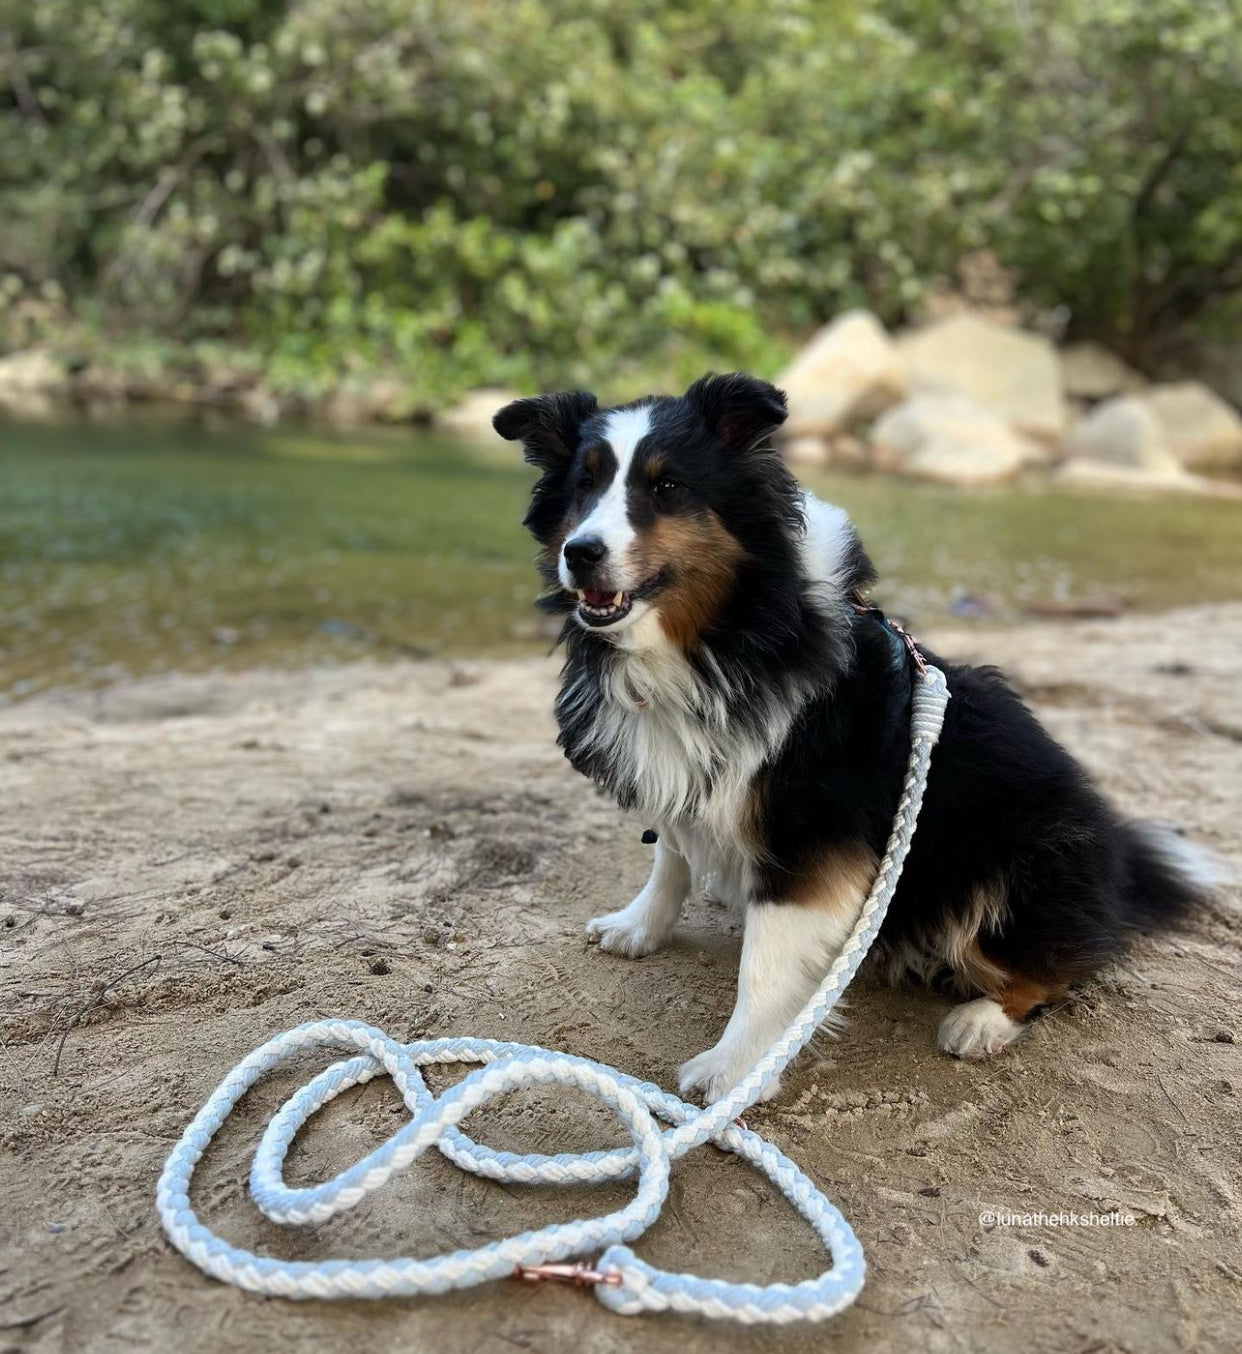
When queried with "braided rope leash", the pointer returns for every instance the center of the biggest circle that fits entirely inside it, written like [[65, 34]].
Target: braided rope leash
[[622, 1281]]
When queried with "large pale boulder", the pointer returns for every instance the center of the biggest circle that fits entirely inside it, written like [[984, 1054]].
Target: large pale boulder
[[1122, 431], [473, 416], [29, 383], [1013, 373], [33, 369], [1199, 427], [952, 440], [1091, 373], [849, 372]]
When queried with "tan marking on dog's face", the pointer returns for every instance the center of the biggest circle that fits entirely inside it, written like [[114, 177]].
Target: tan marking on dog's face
[[840, 877], [702, 558]]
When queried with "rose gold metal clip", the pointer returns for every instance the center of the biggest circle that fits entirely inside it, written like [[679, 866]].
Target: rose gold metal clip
[[912, 645], [862, 607], [580, 1274]]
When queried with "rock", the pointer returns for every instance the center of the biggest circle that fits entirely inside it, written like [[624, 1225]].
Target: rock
[[29, 381], [806, 450], [373, 399], [1091, 474], [1199, 427], [950, 439], [473, 416], [1090, 372], [33, 369], [849, 372], [973, 605], [1014, 374], [260, 405], [1123, 431]]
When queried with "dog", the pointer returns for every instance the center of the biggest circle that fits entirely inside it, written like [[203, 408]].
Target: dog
[[721, 680]]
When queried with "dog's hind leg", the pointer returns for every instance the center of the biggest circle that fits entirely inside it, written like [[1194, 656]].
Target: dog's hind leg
[[647, 923], [980, 1028]]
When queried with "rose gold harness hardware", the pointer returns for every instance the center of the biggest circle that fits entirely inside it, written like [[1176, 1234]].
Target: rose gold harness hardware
[[864, 608]]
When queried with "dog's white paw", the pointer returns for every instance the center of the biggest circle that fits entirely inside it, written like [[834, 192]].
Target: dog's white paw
[[978, 1029], [627, 932], [717, 1071]]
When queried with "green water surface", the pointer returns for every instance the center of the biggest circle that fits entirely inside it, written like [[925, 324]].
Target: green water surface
[[152, 545]]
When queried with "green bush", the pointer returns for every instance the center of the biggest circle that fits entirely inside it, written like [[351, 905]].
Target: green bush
[[546, 191]]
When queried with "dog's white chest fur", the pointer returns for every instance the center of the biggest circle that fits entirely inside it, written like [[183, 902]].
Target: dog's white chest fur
[[691, 767], [670, 737]]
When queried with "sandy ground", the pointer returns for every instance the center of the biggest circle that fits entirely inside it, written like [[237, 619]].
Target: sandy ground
[[189, 865]]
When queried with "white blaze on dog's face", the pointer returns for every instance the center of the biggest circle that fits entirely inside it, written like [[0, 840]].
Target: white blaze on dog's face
[[606, 480], [637, 506]]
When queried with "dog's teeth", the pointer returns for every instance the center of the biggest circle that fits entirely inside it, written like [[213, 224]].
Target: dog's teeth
[[616, 601]]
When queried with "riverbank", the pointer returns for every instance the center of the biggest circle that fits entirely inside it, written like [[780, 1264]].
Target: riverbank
[[193, 863], [154, 546], [967, 398]]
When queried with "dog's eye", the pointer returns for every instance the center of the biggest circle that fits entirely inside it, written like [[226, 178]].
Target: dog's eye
[[664, 485], [586, 481]]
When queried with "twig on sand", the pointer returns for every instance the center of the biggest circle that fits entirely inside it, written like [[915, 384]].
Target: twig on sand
[[1170, 1099], [221, 954], [97, 1000]]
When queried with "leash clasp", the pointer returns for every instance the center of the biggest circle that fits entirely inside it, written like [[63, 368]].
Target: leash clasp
[[862, 607], [912, 645], [579, 1274]]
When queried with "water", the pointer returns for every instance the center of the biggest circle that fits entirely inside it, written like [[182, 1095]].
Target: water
[[154, 545]]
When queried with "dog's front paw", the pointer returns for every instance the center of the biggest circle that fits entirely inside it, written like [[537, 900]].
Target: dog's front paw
[[717, 1071], [626, 932]]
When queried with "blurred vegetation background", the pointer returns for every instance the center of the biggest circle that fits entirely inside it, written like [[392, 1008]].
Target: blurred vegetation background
[[322, 213], [537, 192]]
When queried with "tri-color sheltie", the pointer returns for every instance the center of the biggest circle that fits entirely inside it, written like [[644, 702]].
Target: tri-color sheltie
[[721, 682]]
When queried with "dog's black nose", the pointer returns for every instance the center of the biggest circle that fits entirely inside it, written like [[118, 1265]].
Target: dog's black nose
[[584, 551]]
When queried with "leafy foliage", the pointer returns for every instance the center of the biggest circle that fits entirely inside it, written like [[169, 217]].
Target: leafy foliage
[[548, 191]]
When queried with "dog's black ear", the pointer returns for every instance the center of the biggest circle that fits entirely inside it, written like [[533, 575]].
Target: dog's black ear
[[547, 425], [741, 410]]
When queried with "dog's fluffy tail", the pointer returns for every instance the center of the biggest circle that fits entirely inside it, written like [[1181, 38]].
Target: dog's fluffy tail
[[1167, 875]]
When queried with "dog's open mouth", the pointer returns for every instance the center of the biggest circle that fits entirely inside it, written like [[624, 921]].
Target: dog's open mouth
[[603, 608], [600, 609]]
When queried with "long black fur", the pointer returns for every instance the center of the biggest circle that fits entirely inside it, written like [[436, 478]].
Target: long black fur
[[1008, 812]]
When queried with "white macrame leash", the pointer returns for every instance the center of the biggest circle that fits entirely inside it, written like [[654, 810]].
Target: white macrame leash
[[622, 1281]]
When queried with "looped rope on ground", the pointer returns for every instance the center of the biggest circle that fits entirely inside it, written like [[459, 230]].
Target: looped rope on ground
[[623, 1282]]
